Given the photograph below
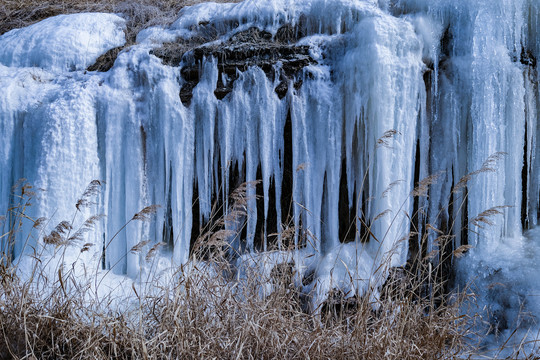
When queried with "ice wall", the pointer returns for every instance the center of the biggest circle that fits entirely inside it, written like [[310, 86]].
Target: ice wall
[[388, 93], [483, 122], [482, 110]]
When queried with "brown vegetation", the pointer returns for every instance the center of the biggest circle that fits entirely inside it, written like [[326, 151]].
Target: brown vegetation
[[207, 311], [214, 314], [207, 316]]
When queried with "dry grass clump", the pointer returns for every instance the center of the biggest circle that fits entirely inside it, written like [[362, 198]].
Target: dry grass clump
[[205, 314], [219, 321], [208, 310]]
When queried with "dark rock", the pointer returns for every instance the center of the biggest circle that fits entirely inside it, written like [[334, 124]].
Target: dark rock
[[527, 58], [186, 92], [447, 43], [243, 50], [288, 34], [309, 277], [282, 88], [106, 61], [338, 306], [171, 53]]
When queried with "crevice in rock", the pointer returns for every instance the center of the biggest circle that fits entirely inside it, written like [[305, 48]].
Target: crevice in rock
[[527, 58]]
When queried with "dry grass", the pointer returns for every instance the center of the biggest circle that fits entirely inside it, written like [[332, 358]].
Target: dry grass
[[208, 312], [206, 315]]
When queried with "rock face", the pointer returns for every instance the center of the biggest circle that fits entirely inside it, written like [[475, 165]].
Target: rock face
[[251, 47]]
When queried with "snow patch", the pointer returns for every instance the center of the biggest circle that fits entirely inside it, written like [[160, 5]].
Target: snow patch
[[64, 42]]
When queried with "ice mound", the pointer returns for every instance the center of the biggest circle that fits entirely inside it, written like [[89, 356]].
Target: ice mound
[[63, 43]]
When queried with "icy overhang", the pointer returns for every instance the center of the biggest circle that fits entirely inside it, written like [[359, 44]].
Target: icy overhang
[[63, 43]]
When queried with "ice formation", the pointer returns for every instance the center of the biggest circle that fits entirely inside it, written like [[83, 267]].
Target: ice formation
[[63, 43], [362, 101]]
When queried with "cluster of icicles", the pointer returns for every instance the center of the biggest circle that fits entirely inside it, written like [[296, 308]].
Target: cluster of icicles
[[396, 91]]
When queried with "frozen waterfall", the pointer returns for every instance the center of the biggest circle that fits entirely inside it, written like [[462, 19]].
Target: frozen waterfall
[[332, 112]]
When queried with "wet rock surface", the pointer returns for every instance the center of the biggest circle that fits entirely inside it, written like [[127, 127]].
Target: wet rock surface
[[245, 49]]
